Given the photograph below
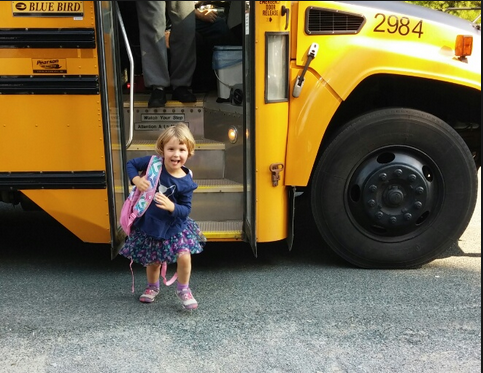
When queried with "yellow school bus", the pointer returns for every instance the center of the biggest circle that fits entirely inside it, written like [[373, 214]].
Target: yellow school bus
[[372, 110]]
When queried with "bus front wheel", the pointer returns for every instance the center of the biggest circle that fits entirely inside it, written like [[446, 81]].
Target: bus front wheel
[[395, 188]]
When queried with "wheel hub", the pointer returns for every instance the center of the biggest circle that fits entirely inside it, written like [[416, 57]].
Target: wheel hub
[[391, 198]]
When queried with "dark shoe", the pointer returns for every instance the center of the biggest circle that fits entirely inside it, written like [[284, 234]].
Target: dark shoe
[[157, 98], [183, 94]]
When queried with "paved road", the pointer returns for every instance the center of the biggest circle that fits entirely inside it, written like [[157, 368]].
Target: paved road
[[65, 307]]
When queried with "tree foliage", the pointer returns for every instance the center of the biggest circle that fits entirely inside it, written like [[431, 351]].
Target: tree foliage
[[444, 5]]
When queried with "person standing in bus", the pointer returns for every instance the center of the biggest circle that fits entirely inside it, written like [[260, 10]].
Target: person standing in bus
[[165, 232], [154, 52]]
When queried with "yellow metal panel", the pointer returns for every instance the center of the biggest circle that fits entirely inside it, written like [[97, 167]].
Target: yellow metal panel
[[310, 114], [10, 17], [26, 61], [51, 133], [83, 212], [427, 55], [23, 61], [48, 8], [271, 133]]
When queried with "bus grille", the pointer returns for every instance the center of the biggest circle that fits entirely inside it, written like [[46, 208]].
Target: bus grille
[[320, 21], [50, 84], [48, 38]]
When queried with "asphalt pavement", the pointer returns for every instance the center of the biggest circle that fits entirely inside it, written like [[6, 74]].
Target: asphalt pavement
[[66, 307]]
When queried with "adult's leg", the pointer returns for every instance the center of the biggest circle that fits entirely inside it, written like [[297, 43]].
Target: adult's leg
[[182, 42], [152, 26]]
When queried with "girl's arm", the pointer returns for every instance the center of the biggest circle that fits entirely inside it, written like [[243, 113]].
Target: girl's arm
[[134, 167], [137, 165], [181, 209]]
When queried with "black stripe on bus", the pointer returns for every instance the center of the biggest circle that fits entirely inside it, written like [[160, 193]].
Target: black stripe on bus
[[49, 84], [53, 180], [48, 38]]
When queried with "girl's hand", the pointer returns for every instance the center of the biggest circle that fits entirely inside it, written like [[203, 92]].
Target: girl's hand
[[163, 202], [141, 183]]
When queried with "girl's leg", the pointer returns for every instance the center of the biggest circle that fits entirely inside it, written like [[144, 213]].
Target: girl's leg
[[152, 274], [184, 273], [184, 267]]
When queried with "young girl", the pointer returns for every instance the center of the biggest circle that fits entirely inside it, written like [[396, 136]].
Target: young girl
[[165, 233]]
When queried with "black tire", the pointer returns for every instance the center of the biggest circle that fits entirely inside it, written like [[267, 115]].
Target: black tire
[[394, 189]]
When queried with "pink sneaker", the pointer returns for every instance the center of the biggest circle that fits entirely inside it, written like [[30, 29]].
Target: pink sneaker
[[149, 295], [187, 300]]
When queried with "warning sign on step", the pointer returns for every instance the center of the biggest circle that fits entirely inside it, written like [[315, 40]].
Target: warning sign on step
[[162, 117]]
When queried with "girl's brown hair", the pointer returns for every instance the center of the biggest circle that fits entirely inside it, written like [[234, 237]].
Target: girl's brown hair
[[180, 131]]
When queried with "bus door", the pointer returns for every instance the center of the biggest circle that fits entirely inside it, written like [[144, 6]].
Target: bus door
[[268, 112], [110, 35], [249, 224]]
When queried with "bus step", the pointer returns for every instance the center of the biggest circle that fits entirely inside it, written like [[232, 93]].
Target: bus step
[[217, 230], [217, 200], [150, 121], [207, 163]]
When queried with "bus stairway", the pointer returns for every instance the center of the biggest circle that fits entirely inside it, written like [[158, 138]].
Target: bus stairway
[[217, 204]]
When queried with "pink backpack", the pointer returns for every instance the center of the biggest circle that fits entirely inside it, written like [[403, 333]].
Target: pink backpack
[[137, 203]]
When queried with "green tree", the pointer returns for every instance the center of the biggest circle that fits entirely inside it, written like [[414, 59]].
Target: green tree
[[470, 15]]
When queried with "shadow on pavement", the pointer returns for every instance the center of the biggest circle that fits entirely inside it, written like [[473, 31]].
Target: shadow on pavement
[[36, 237]]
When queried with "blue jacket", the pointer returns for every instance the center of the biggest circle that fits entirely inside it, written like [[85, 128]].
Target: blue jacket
[[156, 222]]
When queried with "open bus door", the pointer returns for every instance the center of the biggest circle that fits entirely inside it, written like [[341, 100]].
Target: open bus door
[[112, 98], [249, 224]]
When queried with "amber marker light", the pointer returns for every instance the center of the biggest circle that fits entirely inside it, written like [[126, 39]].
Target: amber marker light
[[463, 46]]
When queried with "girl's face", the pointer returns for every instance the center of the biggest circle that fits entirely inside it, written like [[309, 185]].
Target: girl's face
[[175, 155]]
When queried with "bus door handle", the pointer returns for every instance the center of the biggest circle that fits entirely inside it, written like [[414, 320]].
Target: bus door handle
[[275, 169], [285, 12], [299, 82]]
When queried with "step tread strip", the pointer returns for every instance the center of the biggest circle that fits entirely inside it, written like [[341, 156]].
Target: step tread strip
[[201, 144], [222, 230], [218, 186], [211, 186]]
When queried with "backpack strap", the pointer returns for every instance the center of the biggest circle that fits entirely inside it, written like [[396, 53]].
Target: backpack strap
[[164, 268], [153, 173]]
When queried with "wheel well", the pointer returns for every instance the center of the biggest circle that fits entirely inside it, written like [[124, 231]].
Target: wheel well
[[458, 106]]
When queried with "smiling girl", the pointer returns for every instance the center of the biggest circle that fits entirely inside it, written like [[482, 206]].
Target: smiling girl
[[165, 233]]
